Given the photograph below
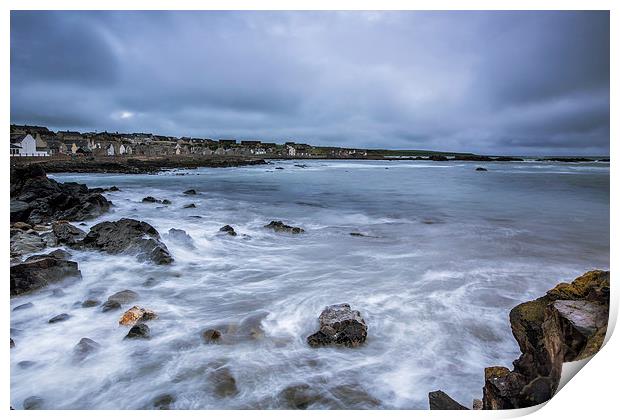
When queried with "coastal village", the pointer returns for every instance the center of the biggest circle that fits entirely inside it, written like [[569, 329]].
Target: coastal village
[[37, 141]]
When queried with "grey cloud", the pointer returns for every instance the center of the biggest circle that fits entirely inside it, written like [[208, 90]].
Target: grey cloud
[[487, 82]]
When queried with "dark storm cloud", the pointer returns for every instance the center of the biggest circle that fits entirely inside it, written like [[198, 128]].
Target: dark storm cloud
[[489, 82]]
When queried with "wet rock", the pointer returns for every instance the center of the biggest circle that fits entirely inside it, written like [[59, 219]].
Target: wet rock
[[84, 348], [224, 382], [113, 188], [12, 343], [211, 336], [136, 314], [353, 396], [33, 403], [163, 401], [279, 226], [439, 400], [37, 199], [90, 303], [341, 326], [110, 306], [279, 168], [66, 233], [25, 243], [189, 206], [229, 230], [124, 296], [21, 226], [182, 237], [139, 331], [23, 306], [190, 192], [477, 404], [481, 169], [39, 271], [299, 396], [150, 199], [130, 236], [59, 318], [26, 364], [502, 388], [165, 201]]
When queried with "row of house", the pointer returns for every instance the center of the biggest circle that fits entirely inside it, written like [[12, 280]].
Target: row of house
[[40, 141]]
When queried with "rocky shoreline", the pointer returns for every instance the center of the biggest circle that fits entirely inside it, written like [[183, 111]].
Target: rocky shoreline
[[567, 324]]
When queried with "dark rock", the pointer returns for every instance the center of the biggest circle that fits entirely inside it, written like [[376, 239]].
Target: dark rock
[[39, 271], [113, 188], [279, 226], [141, 331], [12, 343], [190, 192], [131, 236], [224, 382], [33, 403], [189, 206], [477, 404], [357, 234], [341, 326], [163, 401], [299, 396], [37, 199], [481, 169], [84, 348], [23, 306], [66, 233], [279, 167], [211, 336], [59, 318], [90, 303], [229, 230], [123, 297], [150, 199], [25, 364], [110, 306], [439, 400], [165, 201]]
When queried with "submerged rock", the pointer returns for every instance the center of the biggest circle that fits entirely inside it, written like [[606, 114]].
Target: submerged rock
[[211, 335], [229, 230], [224, 382], [39, 271], [163, 401], [139, 331], [23, 306], [481, 169], [136, 314], [84, 348], [59, 318], [130, 236], [341, 326], [150, 199], [124, 296], [190, 192], [182, 237], [166, 201], [439, 400], [33, 403], [279, 226], [12, 343], [66, 233], [90, 303], [189, 206], [110, 305]]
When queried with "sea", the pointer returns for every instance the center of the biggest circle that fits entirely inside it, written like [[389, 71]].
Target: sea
[[439, 256]]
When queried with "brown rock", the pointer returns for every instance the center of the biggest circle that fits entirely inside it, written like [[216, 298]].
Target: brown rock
[[136, 314]]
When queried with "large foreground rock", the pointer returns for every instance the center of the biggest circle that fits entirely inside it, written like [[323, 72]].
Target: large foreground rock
[[38, 199], [66, 233], [25, 242], [569, 323], [128, 236], [40, 270], [339, 325], [439, 400]]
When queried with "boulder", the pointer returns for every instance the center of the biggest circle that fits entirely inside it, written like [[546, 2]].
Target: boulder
[[66, 233], [190, 192], [439, 400], [165, 201], [90, 303], [124, 296], [139, 331], [136, 314], [37, 199], [481, 169], [279, 226], [84, 348], [211, 336], [150, 199], [110, 306], [39, 271], [25, 243], [339, 325], [59, 318], [23, 306], [130, 236], [189, 206], [229, 230]]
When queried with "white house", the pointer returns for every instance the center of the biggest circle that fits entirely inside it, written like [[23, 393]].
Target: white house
[[111, 150], [27, 146], [290, 150]]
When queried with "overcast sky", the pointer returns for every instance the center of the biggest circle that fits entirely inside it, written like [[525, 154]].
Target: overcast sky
[[486, 82]]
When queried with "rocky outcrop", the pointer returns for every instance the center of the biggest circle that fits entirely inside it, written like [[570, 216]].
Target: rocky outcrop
[[40, 270], [38, 199], [66, 233], [439, 400], [341, 326], [567, 324], [128, 236], [279, 226]]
